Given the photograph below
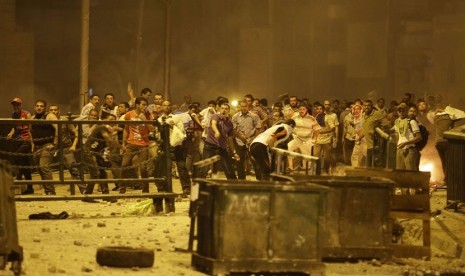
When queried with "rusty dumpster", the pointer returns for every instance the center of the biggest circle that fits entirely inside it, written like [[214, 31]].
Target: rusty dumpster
[[10, 251], [410, 201], [357, 223], [455, 167], [259, 227]]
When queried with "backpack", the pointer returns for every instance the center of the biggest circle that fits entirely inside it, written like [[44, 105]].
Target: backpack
[[424, 136]]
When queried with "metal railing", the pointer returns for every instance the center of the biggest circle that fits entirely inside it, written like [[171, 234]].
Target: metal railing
[[8, 152], [314, 162]]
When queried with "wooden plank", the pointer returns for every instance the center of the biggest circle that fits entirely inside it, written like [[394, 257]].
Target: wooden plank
[[427, 233], [404, 179], [410, 202], [357, 253], [425, 215], [411, 251]]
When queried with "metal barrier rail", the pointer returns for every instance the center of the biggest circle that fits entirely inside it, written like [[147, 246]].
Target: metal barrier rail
[[79, 124], [93, 196], [308, 158], [208, 161], [388, 140]]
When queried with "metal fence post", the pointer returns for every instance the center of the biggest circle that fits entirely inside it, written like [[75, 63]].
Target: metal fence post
[[278, 163], [167, 149], [81, 157], [318, 167]]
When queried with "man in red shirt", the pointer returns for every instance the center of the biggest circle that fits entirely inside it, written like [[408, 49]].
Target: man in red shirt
[[21, 134], [136, 141]]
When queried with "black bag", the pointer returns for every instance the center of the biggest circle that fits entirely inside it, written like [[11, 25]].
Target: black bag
[[424, 136]]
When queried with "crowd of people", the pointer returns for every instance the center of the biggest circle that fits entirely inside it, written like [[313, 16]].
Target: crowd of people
[[243, 135]]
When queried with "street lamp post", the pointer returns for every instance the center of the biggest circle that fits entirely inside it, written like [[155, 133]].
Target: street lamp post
[[84, 70], [167, 59], [138, 43]]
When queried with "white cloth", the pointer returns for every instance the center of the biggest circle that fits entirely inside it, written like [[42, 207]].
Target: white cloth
[[177, 131], [454, 113]]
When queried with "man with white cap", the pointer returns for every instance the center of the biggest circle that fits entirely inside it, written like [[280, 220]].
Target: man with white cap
[[408, 133]]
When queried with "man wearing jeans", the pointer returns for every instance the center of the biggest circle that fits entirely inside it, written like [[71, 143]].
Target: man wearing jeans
[[408, 133], [371, 119], [261, 146], [246, 126], [136, 141], [219, 137], [99, 139], [69, 139], [45, 140], [21, 134]]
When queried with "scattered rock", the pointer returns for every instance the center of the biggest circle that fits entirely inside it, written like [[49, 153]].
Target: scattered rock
[[166, 231], [46, 230], [101, 224], [78, 243], [86, 225], [52, 269], [36, 240], [135, 268], [375, 262], [86, 269], [61, 271], [34, 255]]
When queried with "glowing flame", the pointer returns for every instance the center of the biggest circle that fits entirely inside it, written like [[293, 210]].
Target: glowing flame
[[426, 167], [234, 103]]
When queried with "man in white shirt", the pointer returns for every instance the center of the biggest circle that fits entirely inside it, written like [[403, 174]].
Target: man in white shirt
[[304, 134], [261, 145], [94, 103], [408, 134]]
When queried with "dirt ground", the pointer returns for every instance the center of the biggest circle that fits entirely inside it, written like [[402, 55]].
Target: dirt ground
[[68, 246]]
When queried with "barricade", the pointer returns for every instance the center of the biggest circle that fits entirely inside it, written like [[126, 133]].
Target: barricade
[[455, 167], [255, 227], [10, 251], [7, 152], [413, 203], [357, 223]]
